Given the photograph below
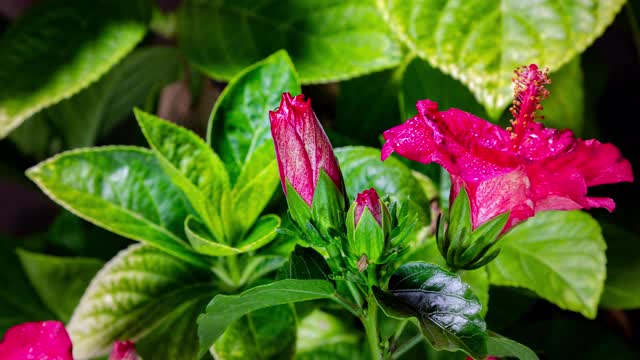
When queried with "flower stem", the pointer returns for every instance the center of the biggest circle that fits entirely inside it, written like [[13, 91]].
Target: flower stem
[[234, 271], [371, 328]]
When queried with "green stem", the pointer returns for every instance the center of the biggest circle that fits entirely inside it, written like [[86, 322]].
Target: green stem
[[371, 328], [407, 346], [234, 271]]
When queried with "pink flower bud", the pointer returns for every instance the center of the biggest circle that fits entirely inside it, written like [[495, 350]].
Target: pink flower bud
[[302, 147], [36, 340], [368, 199], [124, 350]]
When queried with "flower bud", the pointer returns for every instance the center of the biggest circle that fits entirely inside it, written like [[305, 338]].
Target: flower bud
[[124, 350], [309, 171], [462, 246], [368, 227]]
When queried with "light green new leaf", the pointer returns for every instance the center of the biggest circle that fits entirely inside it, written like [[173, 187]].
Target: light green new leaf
[[325, 336], [139, 290], [260, 235], [60, 47], [122, 189], [481, 42], [192, 166], [328, 40], [263, 334], [559, 255], [82, 119], [52, 276], [225, 309]]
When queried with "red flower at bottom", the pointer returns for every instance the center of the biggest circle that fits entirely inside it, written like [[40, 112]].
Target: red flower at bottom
[[523, 169], [49, 340]]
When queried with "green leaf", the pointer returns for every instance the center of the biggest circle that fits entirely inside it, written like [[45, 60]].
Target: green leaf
[[52, 276], [477, 279], [621, 289], [255, 185], [82, 119], [363, 169], [559, 255], [122, 189], [421, 81], [501, 346], [308, 264], [177, 336], [325, 336], [373, 97], [481, 42], [192, 166], [239, 123], [58, 48], [225, 309], [263, 334], [565, 106], [328, 40], [239, 130], [445, 306], [136, 292], [262, 233], [19, 302]]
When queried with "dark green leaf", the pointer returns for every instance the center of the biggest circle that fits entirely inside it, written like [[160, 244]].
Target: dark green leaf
[[445, 306], [82, 119], [621, 289], [261, 335], [328, 40], [559, 255], [122, 189], [481, 42], [307, 264], [58, 48], [373, 97], [421, 81], [225, 309], [137, 291], [19, 302], [477, 279], [52, 276]]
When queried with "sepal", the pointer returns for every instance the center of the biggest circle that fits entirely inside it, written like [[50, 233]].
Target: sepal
[[460, 245]]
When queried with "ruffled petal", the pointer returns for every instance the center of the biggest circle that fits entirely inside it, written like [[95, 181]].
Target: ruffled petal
[[36, 340]]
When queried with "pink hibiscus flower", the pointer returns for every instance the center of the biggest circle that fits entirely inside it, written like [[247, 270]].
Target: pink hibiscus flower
[[523, 169], [49, 340]]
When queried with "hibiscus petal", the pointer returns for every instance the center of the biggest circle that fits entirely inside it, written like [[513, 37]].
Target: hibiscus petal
[[599, 163], [36, 340]]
